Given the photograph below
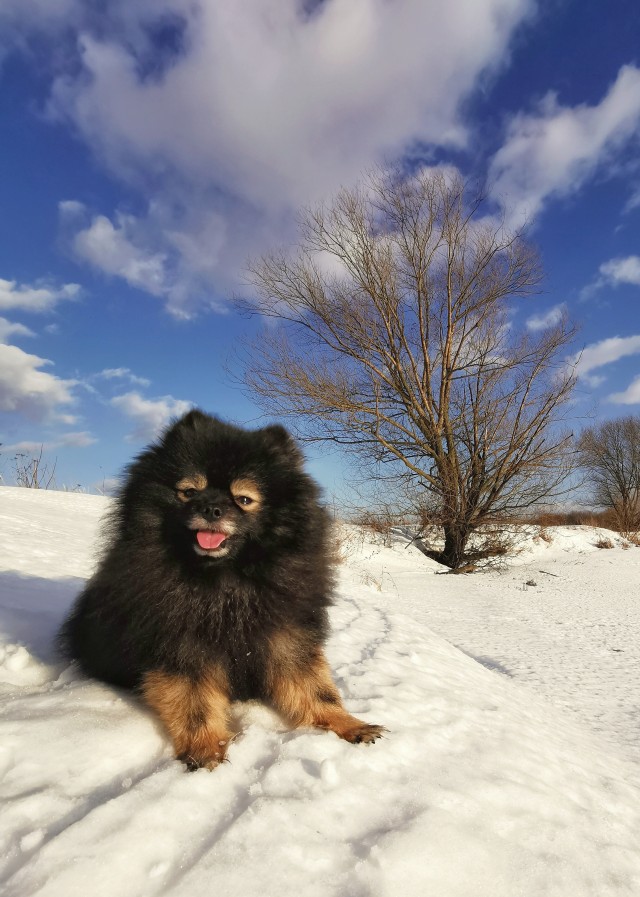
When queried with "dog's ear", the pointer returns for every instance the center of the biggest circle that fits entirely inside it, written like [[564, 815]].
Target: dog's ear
[[282, 442], [192, 420]]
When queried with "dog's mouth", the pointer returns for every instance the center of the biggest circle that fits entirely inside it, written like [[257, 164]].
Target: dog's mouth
[[209, 543], [209, 540]]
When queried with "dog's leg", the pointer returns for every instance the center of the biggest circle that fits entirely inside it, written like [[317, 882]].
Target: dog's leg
[[194, 712], [301, 688]]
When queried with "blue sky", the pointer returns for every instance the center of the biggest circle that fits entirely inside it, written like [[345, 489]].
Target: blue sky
[[149, 149]]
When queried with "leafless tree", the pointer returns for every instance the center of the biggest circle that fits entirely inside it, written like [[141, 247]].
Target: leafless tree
[[394, 338], [610, 455], [32, 473]]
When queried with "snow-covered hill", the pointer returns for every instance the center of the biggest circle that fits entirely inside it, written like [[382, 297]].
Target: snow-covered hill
[[509, 767]]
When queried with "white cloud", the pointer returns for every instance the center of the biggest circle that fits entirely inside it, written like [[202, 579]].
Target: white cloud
[[622, 270], [549, 319], [113, 250], [47, 17], [77, 440], [181, 271], [41, 297], [605, 352], [634, 201], [630, 396], [613, 273], [297, 100], [71, 209], [123, 374], [262, 107], [9, 329], [256, 108], [150, 415], [26, 447], [115, 376], [67, 440], [593, 380], [553, 151], [26, 389], [38, 12]]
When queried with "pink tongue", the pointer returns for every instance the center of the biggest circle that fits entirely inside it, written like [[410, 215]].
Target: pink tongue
[[209, 540]]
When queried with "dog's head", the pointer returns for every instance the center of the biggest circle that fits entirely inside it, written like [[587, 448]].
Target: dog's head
[[214, 489], [220, 513]]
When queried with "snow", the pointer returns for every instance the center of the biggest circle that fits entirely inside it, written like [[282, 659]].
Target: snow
[[511, 766], [573, 637]]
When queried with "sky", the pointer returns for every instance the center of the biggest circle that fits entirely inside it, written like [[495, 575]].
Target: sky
[[149, 150]]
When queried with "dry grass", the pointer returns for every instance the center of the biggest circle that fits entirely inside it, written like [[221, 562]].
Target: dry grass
[[380, 522], [604, 542], [345, 541], [603, 519]]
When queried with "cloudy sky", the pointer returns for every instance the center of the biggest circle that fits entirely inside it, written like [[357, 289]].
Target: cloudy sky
[[149, 148]]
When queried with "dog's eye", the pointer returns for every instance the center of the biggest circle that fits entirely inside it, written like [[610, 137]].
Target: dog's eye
[[246, 494], [189, 493]]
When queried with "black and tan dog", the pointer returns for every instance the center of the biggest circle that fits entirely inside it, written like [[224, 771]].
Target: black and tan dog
[[214, 587]]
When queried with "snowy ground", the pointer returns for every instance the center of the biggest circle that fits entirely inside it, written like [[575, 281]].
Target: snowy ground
[[573, 637], [511, 766]]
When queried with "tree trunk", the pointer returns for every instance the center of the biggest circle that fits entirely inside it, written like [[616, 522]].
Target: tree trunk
[[455, 540]]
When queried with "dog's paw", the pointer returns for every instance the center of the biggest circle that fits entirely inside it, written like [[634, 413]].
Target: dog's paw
[[194, 760], [363, 733]]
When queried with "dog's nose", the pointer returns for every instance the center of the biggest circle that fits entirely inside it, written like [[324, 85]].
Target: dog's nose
[[212, 511]]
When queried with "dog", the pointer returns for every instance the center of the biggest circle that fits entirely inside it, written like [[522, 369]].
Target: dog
[[214, 587]]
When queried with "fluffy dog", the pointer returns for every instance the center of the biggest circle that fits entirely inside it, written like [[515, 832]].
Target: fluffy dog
[[214, 587]]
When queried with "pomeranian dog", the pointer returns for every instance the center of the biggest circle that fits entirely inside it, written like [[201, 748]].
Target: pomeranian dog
[[214, 588]]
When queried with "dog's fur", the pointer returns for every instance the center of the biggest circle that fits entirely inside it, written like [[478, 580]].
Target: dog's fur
[[214, 587]]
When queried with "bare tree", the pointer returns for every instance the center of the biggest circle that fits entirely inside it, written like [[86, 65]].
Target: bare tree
[[32, 473], [610, 455], [395, 340]]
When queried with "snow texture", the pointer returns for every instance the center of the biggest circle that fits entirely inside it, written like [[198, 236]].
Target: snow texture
[[511, 766]]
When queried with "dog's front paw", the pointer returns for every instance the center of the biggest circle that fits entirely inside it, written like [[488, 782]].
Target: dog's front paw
[[362, 733], [209, 759]]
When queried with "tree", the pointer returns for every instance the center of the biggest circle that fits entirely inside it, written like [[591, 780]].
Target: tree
[[32, 473], [395, 341], [610, 455]]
